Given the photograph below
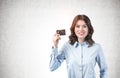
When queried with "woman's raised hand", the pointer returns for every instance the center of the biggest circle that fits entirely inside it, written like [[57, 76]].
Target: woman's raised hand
[[56, 39]]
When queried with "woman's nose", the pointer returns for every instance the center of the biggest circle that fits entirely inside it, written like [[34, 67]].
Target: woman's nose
[[81, 28]]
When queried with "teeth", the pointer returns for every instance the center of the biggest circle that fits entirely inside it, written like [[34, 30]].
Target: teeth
[[81, 33]]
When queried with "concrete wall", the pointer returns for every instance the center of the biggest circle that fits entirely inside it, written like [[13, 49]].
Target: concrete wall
[[27, 28]]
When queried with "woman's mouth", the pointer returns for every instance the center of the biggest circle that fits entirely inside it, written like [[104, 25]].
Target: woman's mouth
[[81, 33]]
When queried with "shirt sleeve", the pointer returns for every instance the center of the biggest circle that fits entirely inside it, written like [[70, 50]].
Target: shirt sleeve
[[56, 58], [102, 63]]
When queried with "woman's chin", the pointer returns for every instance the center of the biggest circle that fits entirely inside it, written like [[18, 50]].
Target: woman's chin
[[81, 37]]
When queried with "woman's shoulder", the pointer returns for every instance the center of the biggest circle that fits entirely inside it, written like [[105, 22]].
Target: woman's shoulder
[[66, 43], [97, 45]]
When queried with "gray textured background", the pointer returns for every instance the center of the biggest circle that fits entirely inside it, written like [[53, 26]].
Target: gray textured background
[[27, 27]]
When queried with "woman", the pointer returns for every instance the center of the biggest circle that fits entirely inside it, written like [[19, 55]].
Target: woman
[[80, 52]]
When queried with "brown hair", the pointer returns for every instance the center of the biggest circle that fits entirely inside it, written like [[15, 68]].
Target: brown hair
[[73, 38]]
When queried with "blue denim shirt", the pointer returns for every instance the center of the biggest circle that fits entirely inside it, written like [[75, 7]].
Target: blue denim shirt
[[80, 60]]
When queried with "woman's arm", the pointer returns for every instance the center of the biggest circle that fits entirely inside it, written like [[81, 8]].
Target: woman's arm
[[56, 59], [102, 63]]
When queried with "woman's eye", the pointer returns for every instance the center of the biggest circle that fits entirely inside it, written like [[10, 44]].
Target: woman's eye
[[84, 26], [77, 26]]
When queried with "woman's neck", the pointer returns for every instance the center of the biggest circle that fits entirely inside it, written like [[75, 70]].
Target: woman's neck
[[80, 40]]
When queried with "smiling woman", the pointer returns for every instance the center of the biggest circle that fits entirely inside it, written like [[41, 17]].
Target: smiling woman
[[82, 28], [27, 26], [80, 52]]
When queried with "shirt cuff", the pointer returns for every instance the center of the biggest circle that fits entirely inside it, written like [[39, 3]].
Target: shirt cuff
[[54, 50]]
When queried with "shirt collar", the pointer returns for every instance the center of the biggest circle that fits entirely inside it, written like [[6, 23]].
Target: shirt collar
[[76, 44]]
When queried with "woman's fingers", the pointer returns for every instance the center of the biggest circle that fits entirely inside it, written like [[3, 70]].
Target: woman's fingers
[[57, 36], [56, 39]]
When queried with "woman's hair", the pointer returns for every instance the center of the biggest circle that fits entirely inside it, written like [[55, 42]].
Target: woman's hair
[[73, 38]]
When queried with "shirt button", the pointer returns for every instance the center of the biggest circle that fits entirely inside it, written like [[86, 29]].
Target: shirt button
[[80, 68]]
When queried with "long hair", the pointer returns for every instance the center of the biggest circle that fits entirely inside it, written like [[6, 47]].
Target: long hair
[[73, 38]]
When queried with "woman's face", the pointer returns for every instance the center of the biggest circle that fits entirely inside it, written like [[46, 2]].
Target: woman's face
[[81, 29]]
